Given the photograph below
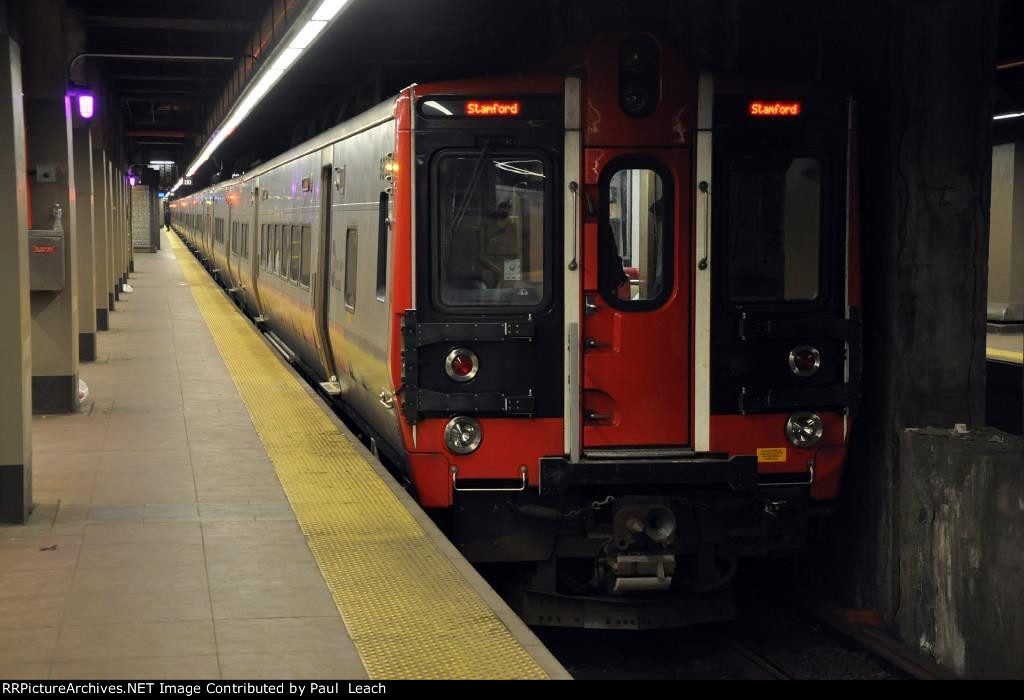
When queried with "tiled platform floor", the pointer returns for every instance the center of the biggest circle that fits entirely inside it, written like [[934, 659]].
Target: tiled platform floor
[[163, 546]]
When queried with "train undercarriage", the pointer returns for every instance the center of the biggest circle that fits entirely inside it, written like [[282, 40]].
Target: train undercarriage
[[645, 557]]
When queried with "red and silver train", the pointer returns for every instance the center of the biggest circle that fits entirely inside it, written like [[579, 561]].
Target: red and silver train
[[607, 320]]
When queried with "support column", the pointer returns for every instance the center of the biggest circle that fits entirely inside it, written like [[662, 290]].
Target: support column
[[131, 240], [923, 73], [15, 314], [115, 189], [101, 239], [129, 247], [84, 215], [114, 276], [54, 314], [122, 213]]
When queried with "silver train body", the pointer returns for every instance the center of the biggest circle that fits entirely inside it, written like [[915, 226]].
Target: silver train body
[[318, 210]]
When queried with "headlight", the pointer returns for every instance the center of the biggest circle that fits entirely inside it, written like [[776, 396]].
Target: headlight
[[804, 429], [463, 435]]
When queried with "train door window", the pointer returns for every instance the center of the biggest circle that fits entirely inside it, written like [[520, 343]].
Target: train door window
[[351, 253], [234, 237], [382, 247], [304, 262], [635, 236], [773, 229], [295, 261], [491, 214], [218, 230], [244, 233]]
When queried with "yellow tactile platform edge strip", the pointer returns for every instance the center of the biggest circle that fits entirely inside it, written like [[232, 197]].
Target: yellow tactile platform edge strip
[[1005, 355], [410, 613]]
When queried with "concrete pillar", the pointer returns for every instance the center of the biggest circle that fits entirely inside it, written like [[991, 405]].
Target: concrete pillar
[[84, 215], [114, 275], [128, 228], [15, 315], [923, 74], [115, 189], [51, 157], [131, 244], [1006, 243], [101, 240], [123, 213]]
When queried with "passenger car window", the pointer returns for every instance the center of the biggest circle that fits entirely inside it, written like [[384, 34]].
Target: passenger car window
[[284, 255], [489, 238], [351, 251], [634, 240], [774, 229], [304, 262], [296, 254], [275, 247]]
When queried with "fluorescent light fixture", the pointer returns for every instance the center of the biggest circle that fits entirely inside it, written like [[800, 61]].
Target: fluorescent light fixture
[[161, 162], [286, 59], [1012, 115], [307, 35], [327, 10]]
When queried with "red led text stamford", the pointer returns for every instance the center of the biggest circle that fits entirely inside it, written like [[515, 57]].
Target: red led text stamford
[[493, 109]]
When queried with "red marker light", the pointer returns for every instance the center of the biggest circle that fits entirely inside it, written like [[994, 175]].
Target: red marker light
[[476, 108], [774, 109], [462, 365]]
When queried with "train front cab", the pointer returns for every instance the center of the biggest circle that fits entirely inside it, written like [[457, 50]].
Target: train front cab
[[630, 359]]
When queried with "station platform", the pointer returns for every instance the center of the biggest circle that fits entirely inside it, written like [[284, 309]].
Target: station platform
[[205, 516], [1005, 346]]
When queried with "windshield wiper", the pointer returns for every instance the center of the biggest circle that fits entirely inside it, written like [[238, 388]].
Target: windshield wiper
[[474, 180]]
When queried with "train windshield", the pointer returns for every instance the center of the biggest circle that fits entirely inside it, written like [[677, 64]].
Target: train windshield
[[491, 213], [774, 229]]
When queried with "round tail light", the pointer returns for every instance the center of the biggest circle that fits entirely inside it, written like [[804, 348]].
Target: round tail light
[[804, 361], [804, 429], [463, 435], [461, 365]]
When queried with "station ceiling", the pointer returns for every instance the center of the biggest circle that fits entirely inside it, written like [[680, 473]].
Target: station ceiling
[[379, 46]]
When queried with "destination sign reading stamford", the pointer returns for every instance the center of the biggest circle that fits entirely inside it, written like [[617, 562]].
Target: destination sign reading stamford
[[196, 689], [528, 108]]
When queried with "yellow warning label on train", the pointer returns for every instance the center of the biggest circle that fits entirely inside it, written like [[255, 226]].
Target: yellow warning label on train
[[771, 454]]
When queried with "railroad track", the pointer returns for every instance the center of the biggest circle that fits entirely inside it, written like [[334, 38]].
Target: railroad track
[[760, 667]]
